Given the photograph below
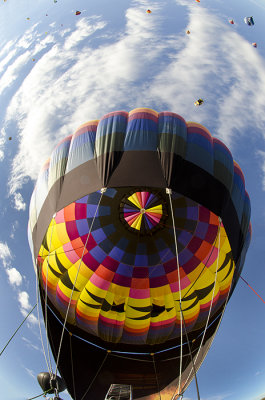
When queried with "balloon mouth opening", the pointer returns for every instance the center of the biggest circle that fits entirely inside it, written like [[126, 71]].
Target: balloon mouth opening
[[143, 211]]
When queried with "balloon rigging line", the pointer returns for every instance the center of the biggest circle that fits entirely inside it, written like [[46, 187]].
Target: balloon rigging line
[[169, 192], [18, 329], [191, 357], [98, 371], [213, 336], [38, 271], [252, 289], [211, 305], [42, 394], [157, 383], [70, 299], [72, 365], [205, 266], [46, 294]]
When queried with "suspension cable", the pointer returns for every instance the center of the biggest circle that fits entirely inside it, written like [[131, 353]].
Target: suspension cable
[[252, 289], [169, 192], [210, 309], [38, 271], [98, 371], [18, 329], [72, 364], [103, 190], [46, 298], [157, 382], [39, 395]]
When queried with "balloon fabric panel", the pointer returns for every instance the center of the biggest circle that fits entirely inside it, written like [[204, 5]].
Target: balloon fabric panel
[[127, 287]]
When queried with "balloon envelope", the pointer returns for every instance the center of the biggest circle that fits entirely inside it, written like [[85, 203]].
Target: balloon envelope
[[140, 223]]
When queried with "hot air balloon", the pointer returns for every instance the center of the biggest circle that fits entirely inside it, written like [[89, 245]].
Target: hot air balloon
[[249, 21], [148, 11], [199, 102], [139, 225]]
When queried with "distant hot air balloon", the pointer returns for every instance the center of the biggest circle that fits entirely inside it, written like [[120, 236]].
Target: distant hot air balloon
[[139, 225], [249, 21], [199, 102], [188, 32], [254, 44], [148, 11], [231, 21], [77, 12]]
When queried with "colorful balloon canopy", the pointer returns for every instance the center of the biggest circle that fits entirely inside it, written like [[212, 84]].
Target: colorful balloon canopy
[[249, 21], [139, 223]]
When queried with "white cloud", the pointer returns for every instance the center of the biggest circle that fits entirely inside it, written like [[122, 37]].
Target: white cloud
[[67, 86], [25, 307], [19, 203], [72, 82], [83, 31], [14, 227], [30, 372], [13, 70], [30, 344], [223, 72], [261, 155], [23, 298], [5, 254], [14, 276]]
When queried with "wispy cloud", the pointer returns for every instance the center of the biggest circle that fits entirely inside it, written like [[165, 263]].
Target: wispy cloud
[[14, 276], [15, 279], [14, 227], [30, 372], [261, 156], [5, 254], [30, 344], [19, 203], [73, 81], [25, 306]]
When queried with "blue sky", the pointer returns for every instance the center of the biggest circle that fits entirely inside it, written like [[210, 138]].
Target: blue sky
[[115, 56]]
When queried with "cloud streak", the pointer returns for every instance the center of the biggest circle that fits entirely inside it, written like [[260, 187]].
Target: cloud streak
[[25, 306], [74, 81]]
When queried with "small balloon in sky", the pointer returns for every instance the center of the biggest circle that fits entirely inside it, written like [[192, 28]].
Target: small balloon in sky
[[199, 102], [33, 59], [188, 32], [249, 21], [77, 12], [55, 1], [231, 21], [10, 137], [28, 18], [254, 44], [198, 1], [148, 11]]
